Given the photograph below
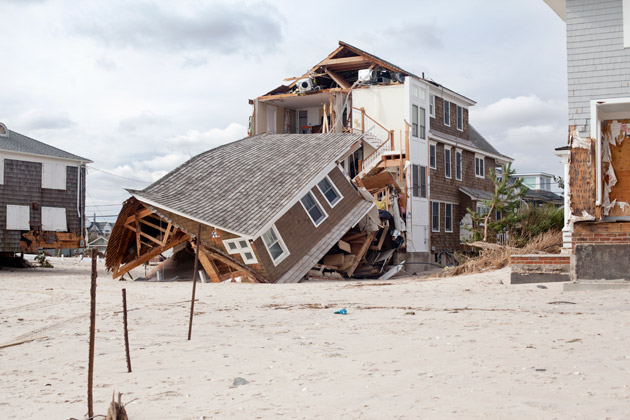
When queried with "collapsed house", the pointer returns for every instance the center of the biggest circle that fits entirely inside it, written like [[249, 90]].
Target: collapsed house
[[272, 208], [43, 196], [417, 142], [596, 159]]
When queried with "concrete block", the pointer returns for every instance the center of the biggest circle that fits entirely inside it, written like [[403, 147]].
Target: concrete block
[[526, 278], [601, 262], [595, 285]]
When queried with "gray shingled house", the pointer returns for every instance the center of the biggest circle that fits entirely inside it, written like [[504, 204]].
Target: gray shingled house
[[269, 208], [42, 189]]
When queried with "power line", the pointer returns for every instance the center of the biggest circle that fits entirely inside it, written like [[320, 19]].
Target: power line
[[117, 176]]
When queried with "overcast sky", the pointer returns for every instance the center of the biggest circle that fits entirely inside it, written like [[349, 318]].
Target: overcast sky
[[141, 86]]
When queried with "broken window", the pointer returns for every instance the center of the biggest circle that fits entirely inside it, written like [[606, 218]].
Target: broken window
[[329, 191], [447, 113], [242, 247], [313, 208], [448, 217], [479, 169], [432, 159], [435, 216], [460, 118], [458, 165], [447, 162], [274, 244]]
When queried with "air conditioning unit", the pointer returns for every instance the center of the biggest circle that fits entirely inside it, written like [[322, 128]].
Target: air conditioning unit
[[366, 76], [305, 85]]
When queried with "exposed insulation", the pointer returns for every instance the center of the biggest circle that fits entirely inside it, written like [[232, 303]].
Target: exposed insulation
[[616, 168]]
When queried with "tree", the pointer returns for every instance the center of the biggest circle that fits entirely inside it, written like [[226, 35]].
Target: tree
[[560, 181], [506, 199]]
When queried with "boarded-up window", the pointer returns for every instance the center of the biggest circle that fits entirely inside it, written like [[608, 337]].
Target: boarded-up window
[[54, 176], [18, 217], [54, 219]]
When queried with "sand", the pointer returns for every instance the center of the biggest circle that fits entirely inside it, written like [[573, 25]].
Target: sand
[[475, 347]]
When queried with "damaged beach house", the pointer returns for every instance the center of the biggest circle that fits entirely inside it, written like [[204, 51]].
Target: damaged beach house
[[43, 196], [597, 157]]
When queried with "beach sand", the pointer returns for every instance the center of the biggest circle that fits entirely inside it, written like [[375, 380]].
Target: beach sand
[[466, 347]]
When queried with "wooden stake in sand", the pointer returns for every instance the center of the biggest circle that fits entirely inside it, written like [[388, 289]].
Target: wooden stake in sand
[[124, 297], [192, 302], [92, 334]]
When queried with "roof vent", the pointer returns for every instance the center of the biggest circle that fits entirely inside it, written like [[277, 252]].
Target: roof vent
[[3, 130]]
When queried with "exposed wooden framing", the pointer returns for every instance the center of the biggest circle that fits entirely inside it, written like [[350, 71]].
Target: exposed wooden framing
[[138, 234], [140, 214], [168, 231], [119, 271], [338, 79], [143, 234], [208, 266], [146, 222], [381, 240], [354, 236], [346, 60], [361, 253], [232, 264]]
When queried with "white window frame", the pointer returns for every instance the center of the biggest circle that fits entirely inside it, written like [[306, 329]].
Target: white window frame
[[1, 171], [448, 214], [448, 164], [334, 187], [54, 176], [433, 147], [422, 123], [240, 249], [432, 106], [483, 166], [459, 166], [280, 241], [433, 203], [446, 105], [24, 219], [415, 115], [318, 205], [460, 117], [52, 225]]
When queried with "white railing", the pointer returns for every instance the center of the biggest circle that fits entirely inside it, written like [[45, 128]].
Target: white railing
[[376, 134], [375, 157]]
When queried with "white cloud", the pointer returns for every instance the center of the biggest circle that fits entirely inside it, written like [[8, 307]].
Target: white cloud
[[39, 119]]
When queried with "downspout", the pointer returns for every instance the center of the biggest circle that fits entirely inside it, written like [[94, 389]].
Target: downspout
[[595, 134]]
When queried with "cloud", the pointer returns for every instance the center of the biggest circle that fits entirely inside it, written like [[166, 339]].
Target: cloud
[[226, 28], [522, 110], [198, 140], [106, 63], [138, 122], [37, 119], [416, 34]]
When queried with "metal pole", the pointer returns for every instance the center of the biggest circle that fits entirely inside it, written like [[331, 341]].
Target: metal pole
[[192, 301], [92, 334], [124, 297]]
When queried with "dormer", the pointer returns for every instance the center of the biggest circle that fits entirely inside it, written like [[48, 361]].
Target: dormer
[[3, 130]]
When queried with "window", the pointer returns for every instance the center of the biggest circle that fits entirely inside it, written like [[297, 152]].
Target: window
[[460, 118], [3, 130], [458, 165], [423, 124], [479, 169], [54, 219], [314, 210], [18, 217], [414, 120], [498, 171], [54, 176], [482, 210], [271, 119], [435, 216], [499, 215], [447, 162], [447, 113], [1, 171], [329, 191], [242, 247], [275, 245], [448, 217], [419, 178], [432, 159], [432, 106]]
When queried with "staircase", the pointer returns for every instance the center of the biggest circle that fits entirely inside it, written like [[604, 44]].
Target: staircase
[[377, 136]]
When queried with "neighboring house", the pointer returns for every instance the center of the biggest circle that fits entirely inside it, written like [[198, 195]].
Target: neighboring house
[[42, 189], [100, 243], [99, 228], [539, 192], [269, 207], [596, 160], [414, 128]]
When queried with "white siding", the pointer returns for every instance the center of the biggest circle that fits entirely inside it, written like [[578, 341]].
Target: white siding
[[598, 63], [54, 219], [54, 176], [18, 217]]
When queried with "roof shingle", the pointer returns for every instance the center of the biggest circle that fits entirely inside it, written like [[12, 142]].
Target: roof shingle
[[16, 142]]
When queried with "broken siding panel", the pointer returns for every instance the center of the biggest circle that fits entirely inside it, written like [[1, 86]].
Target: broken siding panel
[[298, 232], [594, 41], [582, 178]]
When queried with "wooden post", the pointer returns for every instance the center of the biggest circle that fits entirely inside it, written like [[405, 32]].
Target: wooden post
[[192, 302], [391, 139], [124, 298], [362, 120], [92, 333]]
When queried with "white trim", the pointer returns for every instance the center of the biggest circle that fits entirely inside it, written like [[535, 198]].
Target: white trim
[[318, 204], [470, 149], [431, 105], [450, 162], [32, 157], [332, 205], [445, 214], [434, 145], [441, 91], [457, 109], [625, 12], [455, 203], [444, 113], [438, 215], [285, 250], [461, 164], [6, 130], [187, 216], [483, 170]]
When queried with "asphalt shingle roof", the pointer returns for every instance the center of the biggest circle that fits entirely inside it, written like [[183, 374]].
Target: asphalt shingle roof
[[16, 142], [241, 186], [475, 140]]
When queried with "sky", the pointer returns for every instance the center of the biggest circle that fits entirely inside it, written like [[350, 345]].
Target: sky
[[139, 87]]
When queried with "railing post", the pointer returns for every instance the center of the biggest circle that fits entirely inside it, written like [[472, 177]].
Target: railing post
[[362, 120], [391, 139], [360, 166]]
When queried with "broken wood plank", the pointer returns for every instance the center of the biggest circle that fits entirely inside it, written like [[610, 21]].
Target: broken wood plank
[[344, 246], [208, 266], [146, 257], [168, 231], [361, 253], [153, 225], [140, 214], [384, 232], [352, 237], [338, 79]]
